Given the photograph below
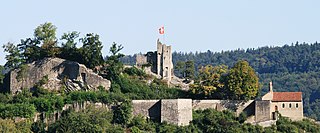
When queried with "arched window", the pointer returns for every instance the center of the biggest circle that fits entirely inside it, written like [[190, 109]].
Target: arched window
[[297, 105], [290, 105], [283, 105], [276, 108]]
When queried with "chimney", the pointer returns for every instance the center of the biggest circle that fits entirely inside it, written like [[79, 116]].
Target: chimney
[[270, 87]]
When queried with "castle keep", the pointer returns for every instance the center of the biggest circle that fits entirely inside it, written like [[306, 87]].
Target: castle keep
[[160, 61]]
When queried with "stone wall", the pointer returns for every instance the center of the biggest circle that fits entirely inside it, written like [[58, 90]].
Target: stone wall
[[262, 110], [237, 106], [294, 112], [179, 111], [176, 111], [74, 76], [150, 109], [169, 111], [141, 60], [184, 111]]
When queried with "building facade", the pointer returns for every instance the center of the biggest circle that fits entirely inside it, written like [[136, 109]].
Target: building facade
[[273, 104]]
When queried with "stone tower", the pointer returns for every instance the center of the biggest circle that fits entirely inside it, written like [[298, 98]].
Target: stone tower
[[164, 61], [160, 61]]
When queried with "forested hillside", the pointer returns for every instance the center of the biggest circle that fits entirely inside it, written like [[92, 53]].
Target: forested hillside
[[294, 67]]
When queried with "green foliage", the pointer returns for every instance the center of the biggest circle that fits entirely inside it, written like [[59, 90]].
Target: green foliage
[[185, 69], [14, 57], [213, 121], [69, 50], [7, 126], [91, 50], [45, 33], [133, 71], [122, 114], [179, 69], [22, 97], [139, 123], [1, 75], [70, 38], [17, 110], [210, 82], [30, 50], [38, 127], [114, 66], [190, 70], [5, 98], [91, 120], [242, 82]]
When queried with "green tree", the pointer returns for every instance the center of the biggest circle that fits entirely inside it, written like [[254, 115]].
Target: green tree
[[190, 70], [179, 69], [1, 75], [114, 66], [210, 81], [122, 114], [7, 126], [30, 50], [14, 57], [90, 120], [69, 50], [242, 81], [46, 35], [91, 50]]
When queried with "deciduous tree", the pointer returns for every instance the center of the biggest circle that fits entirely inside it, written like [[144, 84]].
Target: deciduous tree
[[91, 50], [242, 81]]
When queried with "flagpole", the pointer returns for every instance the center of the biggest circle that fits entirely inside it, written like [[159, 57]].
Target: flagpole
[[163, 36]]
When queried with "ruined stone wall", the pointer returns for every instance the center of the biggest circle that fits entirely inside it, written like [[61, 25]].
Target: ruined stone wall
[[263, 111], [141, 60], [160, 61], [72, 73], [164, 61], [238, 106]]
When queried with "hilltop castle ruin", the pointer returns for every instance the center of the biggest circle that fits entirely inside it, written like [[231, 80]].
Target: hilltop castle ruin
[[159, 62]]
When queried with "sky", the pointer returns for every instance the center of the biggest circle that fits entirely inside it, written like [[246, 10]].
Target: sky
[[190, 25]]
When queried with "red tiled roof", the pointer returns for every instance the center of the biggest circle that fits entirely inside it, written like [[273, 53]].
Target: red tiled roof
[[287, 96]]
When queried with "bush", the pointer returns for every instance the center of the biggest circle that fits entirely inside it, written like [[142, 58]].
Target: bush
[[17, 110]]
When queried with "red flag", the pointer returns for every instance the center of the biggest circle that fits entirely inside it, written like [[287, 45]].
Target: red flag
[[161, 30]]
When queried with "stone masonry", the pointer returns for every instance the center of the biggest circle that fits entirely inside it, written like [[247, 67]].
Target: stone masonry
[[179, 111], [176, 111], [160, 61]]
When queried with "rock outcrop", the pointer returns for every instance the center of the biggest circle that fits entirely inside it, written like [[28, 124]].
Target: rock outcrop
[[62, 74]]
